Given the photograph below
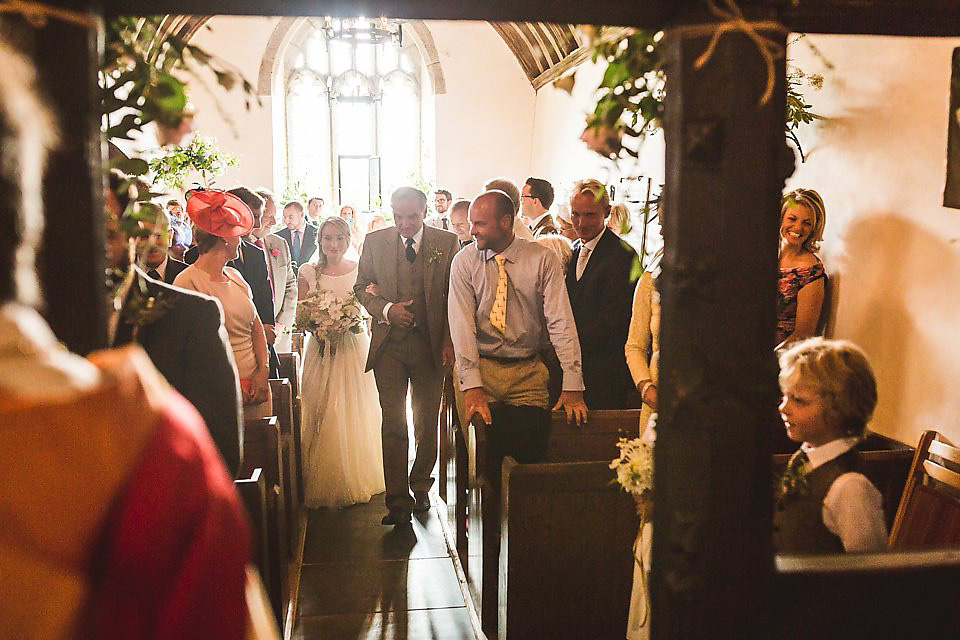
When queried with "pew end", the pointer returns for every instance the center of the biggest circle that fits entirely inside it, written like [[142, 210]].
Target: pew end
[[929, 513]]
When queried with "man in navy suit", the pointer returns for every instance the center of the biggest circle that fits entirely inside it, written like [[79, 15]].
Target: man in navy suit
[[300, 234], [601, 294]]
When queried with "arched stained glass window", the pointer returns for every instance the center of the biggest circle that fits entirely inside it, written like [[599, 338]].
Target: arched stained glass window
[[353, 111]]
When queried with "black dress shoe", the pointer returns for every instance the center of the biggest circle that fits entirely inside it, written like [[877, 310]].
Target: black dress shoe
[[421, 501], [396, 517]]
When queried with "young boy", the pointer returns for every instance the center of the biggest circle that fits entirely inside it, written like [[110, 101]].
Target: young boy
[[825, 504]]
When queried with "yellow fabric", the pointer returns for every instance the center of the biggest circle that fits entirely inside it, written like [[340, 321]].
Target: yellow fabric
[[498, 314], [521, 384]]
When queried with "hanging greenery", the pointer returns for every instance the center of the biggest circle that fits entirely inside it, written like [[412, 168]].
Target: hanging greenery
[[630, 100], [142, 78], [200, 156]]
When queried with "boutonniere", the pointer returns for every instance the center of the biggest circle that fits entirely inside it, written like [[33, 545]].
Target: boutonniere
[[794, 478], [434, 254], [275, 253], [138, 308]]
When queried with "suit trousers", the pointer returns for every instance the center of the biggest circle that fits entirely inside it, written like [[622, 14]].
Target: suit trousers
[[407, 362]]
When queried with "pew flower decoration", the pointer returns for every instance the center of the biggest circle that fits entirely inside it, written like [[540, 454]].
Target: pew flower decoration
[[329, 316], [634, 467]]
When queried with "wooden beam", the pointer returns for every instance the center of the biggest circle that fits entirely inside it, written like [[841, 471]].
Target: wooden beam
[[727, 159], [876, 17], [71, 263], [617, 12]]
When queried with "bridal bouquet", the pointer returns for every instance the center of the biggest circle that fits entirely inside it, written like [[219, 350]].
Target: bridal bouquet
[[328, 316], [634, 467]]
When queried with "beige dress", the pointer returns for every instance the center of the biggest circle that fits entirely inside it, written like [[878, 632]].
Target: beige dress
[[239, 314], [643, 359]]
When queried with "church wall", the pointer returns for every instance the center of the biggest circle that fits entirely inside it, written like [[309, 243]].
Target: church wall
[[894, 251]]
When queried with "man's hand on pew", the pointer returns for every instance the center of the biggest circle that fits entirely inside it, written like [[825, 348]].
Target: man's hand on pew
[[476, 401], [576, 408]]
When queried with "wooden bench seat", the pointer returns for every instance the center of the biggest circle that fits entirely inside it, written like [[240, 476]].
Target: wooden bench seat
[[290, 369], [262, 450], [283, 409]]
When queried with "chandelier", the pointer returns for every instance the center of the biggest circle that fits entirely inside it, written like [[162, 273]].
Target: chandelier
[[363, 30]]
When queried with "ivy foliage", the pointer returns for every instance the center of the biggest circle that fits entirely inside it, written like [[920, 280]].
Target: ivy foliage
[[142, 76], [630, 98]]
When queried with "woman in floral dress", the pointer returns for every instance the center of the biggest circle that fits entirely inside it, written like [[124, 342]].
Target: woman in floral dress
[[802, 278]]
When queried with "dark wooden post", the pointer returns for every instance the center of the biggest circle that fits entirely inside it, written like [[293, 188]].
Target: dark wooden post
[[71, 262], [726, 163]]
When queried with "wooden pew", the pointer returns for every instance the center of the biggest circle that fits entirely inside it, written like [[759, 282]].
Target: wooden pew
[[296, 342], [566, 546], [262, 449], [290, 369], [595, 441], [283, 410], [253, 492], [453, 486]]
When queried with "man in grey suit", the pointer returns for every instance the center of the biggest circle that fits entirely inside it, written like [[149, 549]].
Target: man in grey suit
[[410, 346], [280, 269]]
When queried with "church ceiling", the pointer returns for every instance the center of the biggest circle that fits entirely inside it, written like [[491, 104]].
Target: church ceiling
[[544, 50]]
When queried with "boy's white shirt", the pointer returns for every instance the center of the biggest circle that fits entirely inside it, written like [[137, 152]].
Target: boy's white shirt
[[852, 508]]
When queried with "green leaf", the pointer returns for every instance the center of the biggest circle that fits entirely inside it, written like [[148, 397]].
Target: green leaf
[[131, 166]]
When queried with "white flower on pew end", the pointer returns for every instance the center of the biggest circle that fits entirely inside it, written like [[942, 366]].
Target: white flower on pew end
[[634, 465]]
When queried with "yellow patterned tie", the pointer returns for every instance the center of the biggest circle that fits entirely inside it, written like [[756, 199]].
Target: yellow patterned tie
[[498, 314]]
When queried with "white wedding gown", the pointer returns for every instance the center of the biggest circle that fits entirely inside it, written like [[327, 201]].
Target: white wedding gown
[[342, 453]]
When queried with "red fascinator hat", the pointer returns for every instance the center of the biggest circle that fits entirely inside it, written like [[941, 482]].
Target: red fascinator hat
[[220, 213]]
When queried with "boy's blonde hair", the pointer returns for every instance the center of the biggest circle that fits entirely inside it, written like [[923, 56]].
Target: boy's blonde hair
[[842, 377]]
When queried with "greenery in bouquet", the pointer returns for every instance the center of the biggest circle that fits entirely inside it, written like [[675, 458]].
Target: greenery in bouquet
[[328, 316]]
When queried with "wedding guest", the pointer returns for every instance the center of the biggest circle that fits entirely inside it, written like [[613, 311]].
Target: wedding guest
[[300, 236], [560, 246], [564, 225], [825, 503], [349, 216], [119, 518], [441, 202], [506, 296], [601, 293], [222, 219], [280, 269], [642, 348], [459, 223], [802, 277], [536, 198], [314, 210], [185, 340], [342, 455], [619, 220], [182, 231], [508, 187], [155, 258]]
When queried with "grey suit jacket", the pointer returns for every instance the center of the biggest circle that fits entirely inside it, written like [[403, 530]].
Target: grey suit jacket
[[284, 279], [378, 265]]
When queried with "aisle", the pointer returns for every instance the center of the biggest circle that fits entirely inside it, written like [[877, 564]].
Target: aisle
[[364, 580]]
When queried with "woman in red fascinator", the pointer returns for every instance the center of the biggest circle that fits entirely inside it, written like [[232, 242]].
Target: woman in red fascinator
[[221, 219]]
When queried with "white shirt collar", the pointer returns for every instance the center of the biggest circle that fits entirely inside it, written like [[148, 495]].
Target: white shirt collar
[[539, 218], [417, 237], [162, 268], [593, 243], [826, 452]]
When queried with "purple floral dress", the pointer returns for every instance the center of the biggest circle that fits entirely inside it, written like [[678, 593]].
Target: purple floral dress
[[792, 279]]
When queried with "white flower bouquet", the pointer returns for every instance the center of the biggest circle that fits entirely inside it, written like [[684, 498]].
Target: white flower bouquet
[[328, 316], [634, 467]]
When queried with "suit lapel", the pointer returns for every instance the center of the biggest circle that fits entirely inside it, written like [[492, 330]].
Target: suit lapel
[[391, 254], [428, 265]]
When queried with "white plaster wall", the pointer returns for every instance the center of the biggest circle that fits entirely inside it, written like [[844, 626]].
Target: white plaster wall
[[879, 162], [241, 41], [484, 122]]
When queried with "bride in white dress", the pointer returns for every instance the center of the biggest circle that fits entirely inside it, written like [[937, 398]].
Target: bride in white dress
[[342, 455]]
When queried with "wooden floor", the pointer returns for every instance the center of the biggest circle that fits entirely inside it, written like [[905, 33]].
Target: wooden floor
[[363, 580]]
